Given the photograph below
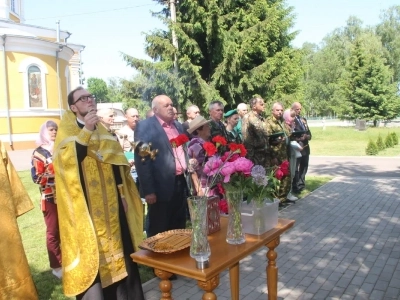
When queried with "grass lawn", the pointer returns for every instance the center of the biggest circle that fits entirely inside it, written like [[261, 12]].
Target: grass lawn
[[346, 141], [32, 229]]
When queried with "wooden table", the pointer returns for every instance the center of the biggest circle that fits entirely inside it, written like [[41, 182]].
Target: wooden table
[[223, 256]]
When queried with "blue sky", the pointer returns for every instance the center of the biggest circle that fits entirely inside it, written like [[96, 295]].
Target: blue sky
[[107, 28]]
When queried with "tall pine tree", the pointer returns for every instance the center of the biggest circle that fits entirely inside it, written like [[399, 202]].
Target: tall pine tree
[[229, 50], [367, 87]]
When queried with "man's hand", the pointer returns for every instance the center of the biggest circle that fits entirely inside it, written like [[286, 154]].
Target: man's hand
[[91, 119], [151, 199]]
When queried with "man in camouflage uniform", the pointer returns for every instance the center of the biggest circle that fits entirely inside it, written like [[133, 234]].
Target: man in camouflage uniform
[[216, 110], [278, 146], [254, 132]]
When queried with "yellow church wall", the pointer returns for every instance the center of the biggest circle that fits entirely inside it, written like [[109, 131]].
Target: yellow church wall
[[16, 81], [25, 125]]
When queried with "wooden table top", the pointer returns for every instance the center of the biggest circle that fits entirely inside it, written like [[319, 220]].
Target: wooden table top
[[223, 255]]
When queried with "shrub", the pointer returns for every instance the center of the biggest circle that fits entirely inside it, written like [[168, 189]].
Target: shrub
[[389, 141], [380, 144], [372, 148], [395, 138]]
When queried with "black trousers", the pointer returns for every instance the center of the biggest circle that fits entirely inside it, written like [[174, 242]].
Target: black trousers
[[299, 179], [168, 215]]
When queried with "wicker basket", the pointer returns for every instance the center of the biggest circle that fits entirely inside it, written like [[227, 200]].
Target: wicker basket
[[168, 241]]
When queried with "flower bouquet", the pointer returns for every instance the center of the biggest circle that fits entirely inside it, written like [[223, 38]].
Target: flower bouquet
[[227, 165], [261, 192]]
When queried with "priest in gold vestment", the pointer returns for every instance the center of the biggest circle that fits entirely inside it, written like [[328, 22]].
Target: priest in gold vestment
[[15, 276], [100, 211]]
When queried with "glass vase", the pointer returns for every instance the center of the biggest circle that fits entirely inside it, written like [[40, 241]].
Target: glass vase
[[258, 209], [234, 234], [199, 246]]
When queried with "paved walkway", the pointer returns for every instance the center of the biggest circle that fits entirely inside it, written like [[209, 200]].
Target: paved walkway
[[344, 244]]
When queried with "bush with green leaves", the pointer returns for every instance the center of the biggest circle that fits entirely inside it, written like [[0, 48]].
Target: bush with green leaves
[[395, 138], [389, 141], [380, 144], [372, 148]]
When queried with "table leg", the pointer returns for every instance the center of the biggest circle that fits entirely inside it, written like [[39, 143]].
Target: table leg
[[209, 286], [272, 270], [234, 280], [165, 285]]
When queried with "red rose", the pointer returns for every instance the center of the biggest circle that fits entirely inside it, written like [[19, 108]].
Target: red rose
[[209, 148], [285, 167], [279, 174], [219, 140], [223, 206]]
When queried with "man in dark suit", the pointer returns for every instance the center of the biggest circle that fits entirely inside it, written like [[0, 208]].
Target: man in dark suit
[[216, 110], [162, 181], [302, 162]]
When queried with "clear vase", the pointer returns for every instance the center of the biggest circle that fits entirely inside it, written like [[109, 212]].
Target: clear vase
[[199, 246], [258, 219], [234, 234]]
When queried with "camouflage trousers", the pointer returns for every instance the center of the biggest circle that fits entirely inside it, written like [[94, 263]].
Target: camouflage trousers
[[284, 188]]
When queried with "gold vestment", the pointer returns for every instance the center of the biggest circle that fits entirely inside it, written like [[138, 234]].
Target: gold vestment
[[90, 227], [15, 276]]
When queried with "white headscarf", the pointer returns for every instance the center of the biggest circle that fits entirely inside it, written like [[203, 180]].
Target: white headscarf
[[44, 137]]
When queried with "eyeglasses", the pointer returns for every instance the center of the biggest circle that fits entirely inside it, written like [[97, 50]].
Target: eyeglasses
[[85, 98]]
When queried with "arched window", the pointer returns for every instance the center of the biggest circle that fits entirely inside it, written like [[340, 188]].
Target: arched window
[[34, 81], [35, 87]]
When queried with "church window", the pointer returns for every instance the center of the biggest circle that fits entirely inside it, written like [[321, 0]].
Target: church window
[[15, 6], [35, 87]]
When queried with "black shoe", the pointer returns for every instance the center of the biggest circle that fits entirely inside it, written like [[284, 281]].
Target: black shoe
[[282, 204], [290, 201]]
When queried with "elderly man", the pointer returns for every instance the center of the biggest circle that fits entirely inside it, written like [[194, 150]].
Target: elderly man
[[242, 110], [191, 112], [102, 217], [126, 134], [162, 181], [301, 126], [278, 147], [216, 110], [255, 136]]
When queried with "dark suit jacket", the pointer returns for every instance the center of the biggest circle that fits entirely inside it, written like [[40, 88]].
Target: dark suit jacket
[[156, 176], [301, 127]]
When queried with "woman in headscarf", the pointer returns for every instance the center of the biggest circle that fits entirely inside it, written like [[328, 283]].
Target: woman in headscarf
[[43, 174]]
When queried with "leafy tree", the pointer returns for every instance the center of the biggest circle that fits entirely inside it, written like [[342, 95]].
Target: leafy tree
[[389, 32], [98, 87], [366, 86], [228, 50]]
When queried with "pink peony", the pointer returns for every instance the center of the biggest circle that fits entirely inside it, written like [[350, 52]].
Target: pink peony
[[227, 170], [243, 165], [212, 165]]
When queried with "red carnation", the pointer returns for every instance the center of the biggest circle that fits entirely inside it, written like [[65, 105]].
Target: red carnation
[[209, 148], [219, 140], [220, 188], [179, 140], [223, 206], [238, 148]]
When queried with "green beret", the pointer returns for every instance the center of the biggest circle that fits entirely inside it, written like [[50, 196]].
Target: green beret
[[230, 113]]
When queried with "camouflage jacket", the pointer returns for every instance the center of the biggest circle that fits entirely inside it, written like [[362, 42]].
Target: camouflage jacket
[[255, 138], [218, 128], [278, 148]]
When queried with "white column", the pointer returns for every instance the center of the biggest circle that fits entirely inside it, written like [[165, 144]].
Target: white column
[[4, 10]]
